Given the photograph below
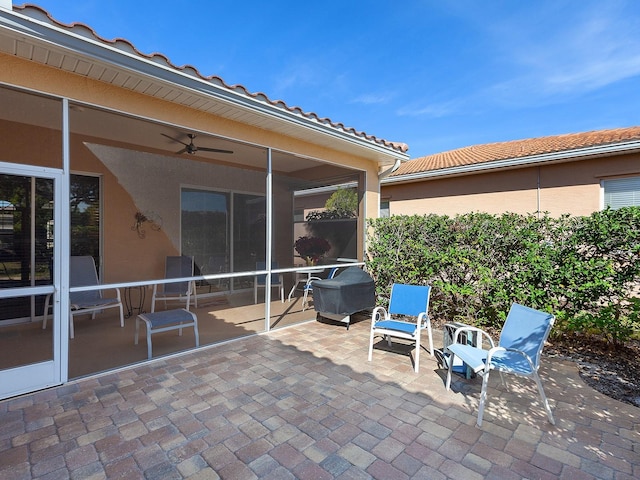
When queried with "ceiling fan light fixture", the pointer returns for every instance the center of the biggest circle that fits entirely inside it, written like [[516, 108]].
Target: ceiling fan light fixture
[[191, 148]]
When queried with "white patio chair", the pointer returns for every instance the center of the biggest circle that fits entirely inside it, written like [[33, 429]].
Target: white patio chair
[[518, 352], [308, 287], [407, 301]]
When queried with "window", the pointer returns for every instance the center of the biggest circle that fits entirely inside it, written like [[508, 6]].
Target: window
[[384, 209], [621, 192], [85, 216], [298, 215]]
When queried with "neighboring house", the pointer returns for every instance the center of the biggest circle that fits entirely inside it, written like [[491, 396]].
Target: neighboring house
[[573, 174], [153, 160]]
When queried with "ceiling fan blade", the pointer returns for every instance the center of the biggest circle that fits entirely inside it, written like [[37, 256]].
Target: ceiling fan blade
[[182, 151], [217, 150], [174, 139]]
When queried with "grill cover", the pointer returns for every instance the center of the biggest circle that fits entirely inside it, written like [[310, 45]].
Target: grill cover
[[351, 291]]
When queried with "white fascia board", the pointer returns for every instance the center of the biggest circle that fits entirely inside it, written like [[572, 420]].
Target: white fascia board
[[116, 58], [563, 156], [319, 190]]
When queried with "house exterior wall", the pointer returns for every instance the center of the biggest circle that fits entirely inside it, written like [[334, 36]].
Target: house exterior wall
[[571, 187], [44, 79], [125, 254]]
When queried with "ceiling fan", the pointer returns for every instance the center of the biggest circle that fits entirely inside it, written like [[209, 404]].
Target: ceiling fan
[[191, 148]]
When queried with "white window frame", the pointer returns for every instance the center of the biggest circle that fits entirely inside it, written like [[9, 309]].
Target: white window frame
[[620, 192]]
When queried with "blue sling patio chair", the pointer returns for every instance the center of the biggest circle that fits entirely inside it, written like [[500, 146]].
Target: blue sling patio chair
[[412, 303], [308, 287], [518, 351]]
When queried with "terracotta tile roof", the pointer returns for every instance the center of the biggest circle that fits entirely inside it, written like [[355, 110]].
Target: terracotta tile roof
[[82, 29], [490, 152]]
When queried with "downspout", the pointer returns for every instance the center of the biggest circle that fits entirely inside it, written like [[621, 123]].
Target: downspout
[[389, 171], [385, 174], [538, 194]]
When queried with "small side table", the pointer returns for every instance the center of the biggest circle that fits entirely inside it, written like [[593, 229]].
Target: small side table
[[129, 305], [470, 338]]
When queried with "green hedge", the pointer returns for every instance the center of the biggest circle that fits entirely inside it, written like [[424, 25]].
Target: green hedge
[[582, 269]]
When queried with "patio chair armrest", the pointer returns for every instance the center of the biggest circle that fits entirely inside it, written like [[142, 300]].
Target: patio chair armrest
[[311, 279], [479, 331], [117, 293], [423, 319], [513, 350], [378, 314]]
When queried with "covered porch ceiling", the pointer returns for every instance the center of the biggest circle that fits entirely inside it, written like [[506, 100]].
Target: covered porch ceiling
[[93, 125]]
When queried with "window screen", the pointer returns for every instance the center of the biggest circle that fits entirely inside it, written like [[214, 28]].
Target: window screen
[[385, 210]]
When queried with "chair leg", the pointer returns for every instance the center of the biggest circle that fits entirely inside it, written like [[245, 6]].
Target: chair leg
[[195, 330], [450, 367], [417, 362], [483, 397], [544, 399], [149, 355], [153, 298], [430, 338], [371, 344], [195, 294], [71, 331]]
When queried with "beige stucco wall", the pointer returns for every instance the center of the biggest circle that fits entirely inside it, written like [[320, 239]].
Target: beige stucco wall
[[563, 188], [125, 255]]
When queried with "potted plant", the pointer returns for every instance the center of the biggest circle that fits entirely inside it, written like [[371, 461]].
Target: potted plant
[[311, 249]]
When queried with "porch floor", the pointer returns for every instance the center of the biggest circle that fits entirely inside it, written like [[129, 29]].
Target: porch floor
[[100, 344], [303, 402]]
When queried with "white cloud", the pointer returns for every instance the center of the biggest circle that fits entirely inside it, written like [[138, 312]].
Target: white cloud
[[436, 109], [541, 53], [372, 99], [570, 54], [294, 76]]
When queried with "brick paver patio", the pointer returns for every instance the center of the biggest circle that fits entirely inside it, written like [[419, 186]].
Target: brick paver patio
[[303, 402]]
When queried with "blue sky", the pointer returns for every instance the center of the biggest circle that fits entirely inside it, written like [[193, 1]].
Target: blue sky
[[434, 74]]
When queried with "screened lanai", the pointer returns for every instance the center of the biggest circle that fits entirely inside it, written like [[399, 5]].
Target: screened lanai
[[135, 197], [123, 157]]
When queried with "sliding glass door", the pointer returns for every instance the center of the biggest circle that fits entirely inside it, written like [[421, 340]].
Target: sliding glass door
[[223, 231], [205, 229]]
